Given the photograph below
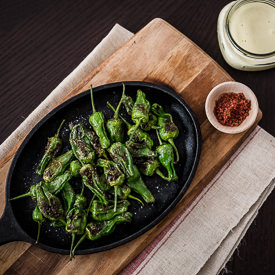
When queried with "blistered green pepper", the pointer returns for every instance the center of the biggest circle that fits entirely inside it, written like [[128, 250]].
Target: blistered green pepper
[[81, 145], [123, 192], [149, 166], [151, 124], [168, 130], [75, 167], [76, 219], [140, 113], [166, 158], [91, 180], [102, 212], [121, 155], [138, 136], [138, 186], [128, 104], [97, 229], [38, 217], [53, 147], [112, 172], [57, 166], [95, 142], [115, 125], [97, 122], [139, 150], [113, 175], [49, 205], [68, 196], [58, 183]]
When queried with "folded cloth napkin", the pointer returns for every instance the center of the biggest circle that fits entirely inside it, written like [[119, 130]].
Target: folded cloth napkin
[[202, 238]]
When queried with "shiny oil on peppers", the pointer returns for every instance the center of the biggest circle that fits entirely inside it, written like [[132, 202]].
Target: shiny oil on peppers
[[168, 130], [57, 166], [81, 145], [140, 113], [102, 212], [76, 219], [75, 167], [49, 205], [91, 180], [137, 185], [53, 147], [121, 155], [97, 122], [166, 157], [68, 196], [115, 125]]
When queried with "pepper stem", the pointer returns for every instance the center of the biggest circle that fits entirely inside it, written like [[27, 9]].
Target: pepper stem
[[90, 204], [63, 221], [161, 175], [59, 128], [160, 141], [21, 196], [122, 118], [171, 141], [120, 102], [38, 233], [78, 243], [135, 198], [92, 100], [134, 130], [72, 244], [115, 204], [82, 189]]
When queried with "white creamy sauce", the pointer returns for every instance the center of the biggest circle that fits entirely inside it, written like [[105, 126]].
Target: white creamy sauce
[[252, 27]]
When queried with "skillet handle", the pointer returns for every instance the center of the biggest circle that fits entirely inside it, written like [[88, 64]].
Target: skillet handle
[[9, 229]]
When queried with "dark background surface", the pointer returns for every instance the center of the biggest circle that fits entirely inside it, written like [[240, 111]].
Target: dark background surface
[[43, 41]]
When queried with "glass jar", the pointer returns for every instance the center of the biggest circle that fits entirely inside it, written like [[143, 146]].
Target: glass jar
[[246, 34]]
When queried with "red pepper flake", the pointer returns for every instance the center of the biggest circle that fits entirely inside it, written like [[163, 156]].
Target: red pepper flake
[[231, 109]]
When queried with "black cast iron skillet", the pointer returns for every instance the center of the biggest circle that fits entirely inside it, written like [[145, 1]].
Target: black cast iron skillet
[[16, 222]]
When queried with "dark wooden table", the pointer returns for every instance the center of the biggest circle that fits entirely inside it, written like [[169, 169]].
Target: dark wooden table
[[43, 41]]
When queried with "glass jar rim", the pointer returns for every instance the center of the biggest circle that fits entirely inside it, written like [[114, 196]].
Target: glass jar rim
[[238, 4]]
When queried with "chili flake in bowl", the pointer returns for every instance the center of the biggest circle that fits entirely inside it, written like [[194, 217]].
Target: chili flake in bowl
[[231, 107]]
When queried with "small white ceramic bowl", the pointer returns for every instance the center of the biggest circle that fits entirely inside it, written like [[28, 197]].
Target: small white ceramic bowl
[[231, 87]]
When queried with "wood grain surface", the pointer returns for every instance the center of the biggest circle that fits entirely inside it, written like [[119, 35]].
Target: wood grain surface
[[43, 41]]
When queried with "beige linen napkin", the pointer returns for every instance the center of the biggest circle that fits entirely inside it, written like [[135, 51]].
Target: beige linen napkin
[[203, 237]]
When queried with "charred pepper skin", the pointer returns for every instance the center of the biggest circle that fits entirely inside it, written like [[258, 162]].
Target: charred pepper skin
[[81, 145], [53, 147], [97, 122], [115, 125], [113, 174], [91, 180], [166, 158], [101, 212], [137, 185], [77, 219], [49, 205], [121, 155], [138, 150], [57, 166], [96, 230], [151, 124], [95, 142], [128, 104], [140, 113], [138, 136], [168, 130], [55, 186], [149, 166]]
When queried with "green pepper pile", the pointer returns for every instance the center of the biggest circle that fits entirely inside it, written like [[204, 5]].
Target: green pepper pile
[[109, 162]]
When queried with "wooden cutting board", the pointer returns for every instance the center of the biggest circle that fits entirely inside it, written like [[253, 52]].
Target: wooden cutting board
[[161, 54]]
